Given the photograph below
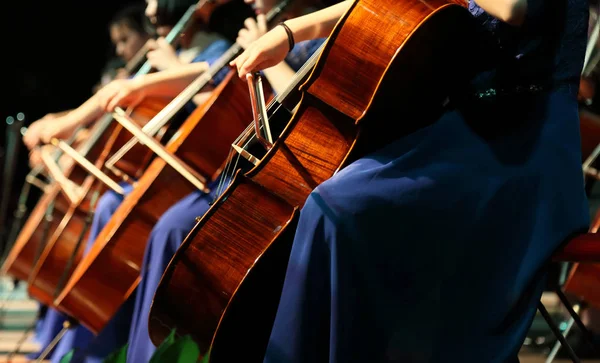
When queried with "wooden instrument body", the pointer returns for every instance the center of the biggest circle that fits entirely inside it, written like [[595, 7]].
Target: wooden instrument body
[[22, 257], [68, 219], [111, 271], [223, 285]]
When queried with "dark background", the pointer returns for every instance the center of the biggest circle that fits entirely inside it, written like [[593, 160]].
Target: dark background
[[52, 53]]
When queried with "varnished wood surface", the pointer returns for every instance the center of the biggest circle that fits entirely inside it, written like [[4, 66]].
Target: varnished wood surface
[[21, 258], [230, 255], [35, 234], [95, 292], [582, 248], [62, 253]]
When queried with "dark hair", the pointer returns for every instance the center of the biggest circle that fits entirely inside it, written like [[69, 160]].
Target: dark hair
[[228, 19], [134, 17], [168, 12]]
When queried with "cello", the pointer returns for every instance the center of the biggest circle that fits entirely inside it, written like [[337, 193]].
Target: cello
[[223, 285], [50, 245], [94, 293]]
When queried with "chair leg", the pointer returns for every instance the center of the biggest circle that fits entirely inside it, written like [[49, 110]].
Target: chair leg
[[558, 344], [589, 338], [557, 332]]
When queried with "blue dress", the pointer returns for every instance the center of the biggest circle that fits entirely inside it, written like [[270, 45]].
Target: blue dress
[[169, 233], [116, 332], [433, 248]]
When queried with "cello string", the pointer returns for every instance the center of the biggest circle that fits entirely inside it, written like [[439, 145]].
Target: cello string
[[249, 134]]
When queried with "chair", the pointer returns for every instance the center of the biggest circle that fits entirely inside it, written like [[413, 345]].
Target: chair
[[581, 249]]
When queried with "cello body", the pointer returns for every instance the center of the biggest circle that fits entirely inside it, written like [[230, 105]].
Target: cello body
[[107, 276], [42, 250], [223, 285]]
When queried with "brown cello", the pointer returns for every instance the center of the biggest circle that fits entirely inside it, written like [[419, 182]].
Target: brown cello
[[94, 293], [223, 285], [55, 210]]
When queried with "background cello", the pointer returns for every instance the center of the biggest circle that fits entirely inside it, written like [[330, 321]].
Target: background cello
[[57, 246]]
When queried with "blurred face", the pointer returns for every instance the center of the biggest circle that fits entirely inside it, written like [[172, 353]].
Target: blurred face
[[127, 41], [151, 9]]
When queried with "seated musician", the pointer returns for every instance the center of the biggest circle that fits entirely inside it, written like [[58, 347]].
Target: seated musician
[[127, 43], [175, 67], [433, 248], [179, 219], [128, 35]]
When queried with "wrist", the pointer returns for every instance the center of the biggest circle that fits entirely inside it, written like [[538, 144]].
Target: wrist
[[289, 35], [137, 83]]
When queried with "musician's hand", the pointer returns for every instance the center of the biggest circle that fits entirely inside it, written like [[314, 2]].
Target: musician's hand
[[60, 128], [31, 138], [265, 52], [254, 29], [120, 92], [161, 54]]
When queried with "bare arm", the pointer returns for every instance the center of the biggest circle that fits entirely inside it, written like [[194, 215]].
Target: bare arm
[[318, 24], [83, 115], [279, 76], [170, 82], [165, 84], [63, 127], [270, 49]]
